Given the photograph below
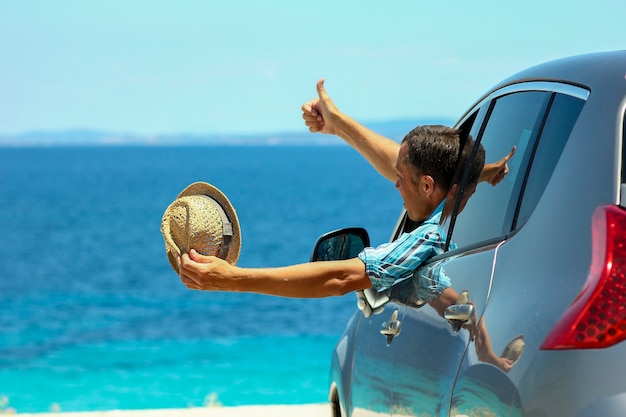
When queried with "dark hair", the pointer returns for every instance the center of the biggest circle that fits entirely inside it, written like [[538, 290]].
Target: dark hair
[[434, 150], [477, 162]]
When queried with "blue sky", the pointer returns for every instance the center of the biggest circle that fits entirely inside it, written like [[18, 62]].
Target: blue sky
[[163, 67]]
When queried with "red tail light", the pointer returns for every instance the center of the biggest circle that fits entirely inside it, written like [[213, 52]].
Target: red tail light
[[597, 317]]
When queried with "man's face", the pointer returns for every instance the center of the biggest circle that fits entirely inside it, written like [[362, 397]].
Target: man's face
[[406, 185]]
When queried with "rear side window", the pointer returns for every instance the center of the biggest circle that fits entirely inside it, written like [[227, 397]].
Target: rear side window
[[563, 114]]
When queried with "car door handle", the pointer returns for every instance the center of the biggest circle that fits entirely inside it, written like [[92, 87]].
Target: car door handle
[[459, 314], [392, 327]]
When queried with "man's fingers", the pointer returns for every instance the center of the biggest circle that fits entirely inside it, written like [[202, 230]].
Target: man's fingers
[[310, 117], [187, 281], [313, 122], [184, 273], [198, 257], [510, 154], [191, 285], [309, 109]]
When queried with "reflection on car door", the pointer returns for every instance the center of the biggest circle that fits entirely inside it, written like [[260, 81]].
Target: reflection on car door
[[430, 348], [373, 363]]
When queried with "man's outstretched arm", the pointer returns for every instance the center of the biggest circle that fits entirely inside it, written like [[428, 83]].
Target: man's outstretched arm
[[308, 280]]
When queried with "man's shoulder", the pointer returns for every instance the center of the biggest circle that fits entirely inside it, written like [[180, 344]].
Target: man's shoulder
[[427, 231]]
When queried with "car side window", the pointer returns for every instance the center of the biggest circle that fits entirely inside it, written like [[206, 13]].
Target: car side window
[[513, 121], [537, 124]]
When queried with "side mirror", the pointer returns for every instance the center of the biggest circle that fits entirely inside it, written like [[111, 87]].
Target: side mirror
[[340, 244]]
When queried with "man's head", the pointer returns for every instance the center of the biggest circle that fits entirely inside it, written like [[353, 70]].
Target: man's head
[[425, 167]]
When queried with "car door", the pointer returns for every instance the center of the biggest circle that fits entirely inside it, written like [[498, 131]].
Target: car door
[[431, 350]]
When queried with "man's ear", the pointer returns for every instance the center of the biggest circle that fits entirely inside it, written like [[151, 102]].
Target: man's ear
[[427, 183]]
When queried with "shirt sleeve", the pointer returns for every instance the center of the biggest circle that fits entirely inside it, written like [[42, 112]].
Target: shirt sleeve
[[431, 283], [394, 262]]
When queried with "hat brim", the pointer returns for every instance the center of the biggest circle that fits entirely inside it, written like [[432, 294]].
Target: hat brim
[[203, 188]]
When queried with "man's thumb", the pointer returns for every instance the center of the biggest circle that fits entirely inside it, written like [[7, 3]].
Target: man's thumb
[[321, 90]]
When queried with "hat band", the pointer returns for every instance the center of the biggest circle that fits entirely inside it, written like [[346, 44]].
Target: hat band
[[227, 229]]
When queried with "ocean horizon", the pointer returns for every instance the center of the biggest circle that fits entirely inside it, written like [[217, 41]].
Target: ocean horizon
[[394, 129], [92, 315]]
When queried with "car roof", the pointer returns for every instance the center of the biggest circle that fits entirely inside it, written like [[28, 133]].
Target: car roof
[[601, 73], [588, 69]]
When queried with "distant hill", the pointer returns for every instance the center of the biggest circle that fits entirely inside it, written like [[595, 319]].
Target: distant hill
[[394, 129]]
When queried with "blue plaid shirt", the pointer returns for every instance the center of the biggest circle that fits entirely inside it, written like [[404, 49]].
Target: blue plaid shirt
[[393, 262]]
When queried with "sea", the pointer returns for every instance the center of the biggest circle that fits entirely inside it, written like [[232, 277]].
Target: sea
[[92, 317]]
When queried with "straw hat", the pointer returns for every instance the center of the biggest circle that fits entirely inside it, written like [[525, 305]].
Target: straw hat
[[203, 219]]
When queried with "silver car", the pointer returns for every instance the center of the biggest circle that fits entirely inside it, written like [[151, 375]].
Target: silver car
[[535, 321]]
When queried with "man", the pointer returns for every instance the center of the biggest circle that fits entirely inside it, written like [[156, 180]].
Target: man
[[423, 168]]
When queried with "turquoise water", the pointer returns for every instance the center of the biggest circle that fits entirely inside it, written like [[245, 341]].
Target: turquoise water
[[174, 374], [93, 318]]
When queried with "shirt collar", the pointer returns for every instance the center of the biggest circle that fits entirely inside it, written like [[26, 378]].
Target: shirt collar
[[435, 216]]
